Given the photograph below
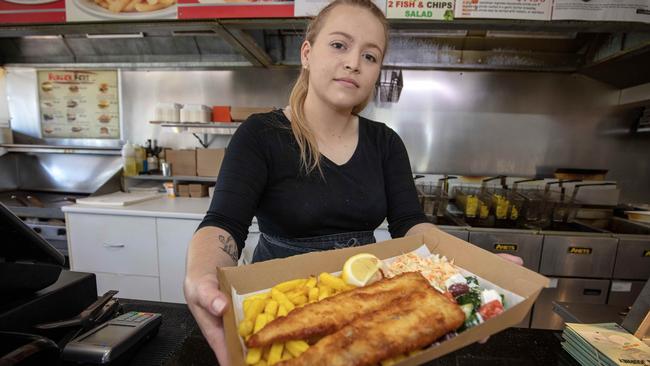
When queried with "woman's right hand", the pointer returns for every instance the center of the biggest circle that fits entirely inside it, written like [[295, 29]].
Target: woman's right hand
[[208, 304]]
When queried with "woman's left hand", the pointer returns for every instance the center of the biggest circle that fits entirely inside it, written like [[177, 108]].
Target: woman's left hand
[[514, 259]]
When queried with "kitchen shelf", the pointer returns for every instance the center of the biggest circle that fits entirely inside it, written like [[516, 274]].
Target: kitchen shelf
[[205, 128], [175, 178], [139, 182]]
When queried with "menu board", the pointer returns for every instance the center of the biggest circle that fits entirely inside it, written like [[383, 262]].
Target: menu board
[[603, 10], [504, 9], [79, 104]]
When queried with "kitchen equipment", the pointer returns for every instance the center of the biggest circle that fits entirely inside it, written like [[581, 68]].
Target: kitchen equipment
[[574, 290], [641, 216], [624, 293], [434, 197], [107, 342], [521, 243], [533, 200], [578, 256], [580, 174], [389, 86], [473, 204], [556, 204], [166, 169], [573, 210]]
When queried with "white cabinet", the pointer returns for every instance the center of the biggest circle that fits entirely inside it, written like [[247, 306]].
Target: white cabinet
[[129, 287], [173, 237], [141, 257], [112, 244]]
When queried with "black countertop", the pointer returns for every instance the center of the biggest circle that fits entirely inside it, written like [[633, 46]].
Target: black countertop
[[179, 342]]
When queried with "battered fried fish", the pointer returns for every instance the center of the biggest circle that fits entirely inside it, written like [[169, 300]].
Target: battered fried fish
[[333, 313], [406, 324]]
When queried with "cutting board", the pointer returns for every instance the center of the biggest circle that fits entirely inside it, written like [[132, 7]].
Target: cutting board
[[119, 199]]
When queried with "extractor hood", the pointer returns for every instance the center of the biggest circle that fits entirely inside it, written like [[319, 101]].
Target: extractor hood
[[612, 52]]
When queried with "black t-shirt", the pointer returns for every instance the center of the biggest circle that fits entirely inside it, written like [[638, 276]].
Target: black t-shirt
[[261, 176]]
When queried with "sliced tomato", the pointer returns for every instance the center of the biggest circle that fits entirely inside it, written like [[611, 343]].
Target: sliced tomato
[[491, 309]]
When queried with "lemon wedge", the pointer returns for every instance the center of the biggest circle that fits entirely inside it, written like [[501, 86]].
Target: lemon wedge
[[361, 269]]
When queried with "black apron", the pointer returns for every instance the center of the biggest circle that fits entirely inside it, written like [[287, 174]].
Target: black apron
[[273, 247]]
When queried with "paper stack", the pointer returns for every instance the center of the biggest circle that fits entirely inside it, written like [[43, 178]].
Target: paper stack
[[604, 344]]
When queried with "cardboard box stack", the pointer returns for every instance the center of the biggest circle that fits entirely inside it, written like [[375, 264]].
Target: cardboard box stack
[[183, 162], [183, 190], [198, 190], [208, 161]]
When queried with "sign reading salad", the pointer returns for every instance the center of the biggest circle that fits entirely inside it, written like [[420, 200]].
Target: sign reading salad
[[79, 104]]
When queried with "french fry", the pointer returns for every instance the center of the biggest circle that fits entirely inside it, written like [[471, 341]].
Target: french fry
[[263, 296], [246, 328], [271, 308], [295, 294], [311, 282], [261, 363], [275, 355], [289, 285], [324, 292], [313, 294], [131, 6], [260, 322], [253, 356], [168, 2], [265, 354], [296, 347], [282, 311], [117, 6], [299, 300], [255, 308], [331, 281], [285, 354], [146, 7], [282, 299], [152, 2]]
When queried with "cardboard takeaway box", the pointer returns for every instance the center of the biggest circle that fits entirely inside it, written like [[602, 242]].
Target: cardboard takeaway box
[[516, 279], [208, 162]]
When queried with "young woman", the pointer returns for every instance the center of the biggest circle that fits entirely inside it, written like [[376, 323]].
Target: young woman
[[316, 175]]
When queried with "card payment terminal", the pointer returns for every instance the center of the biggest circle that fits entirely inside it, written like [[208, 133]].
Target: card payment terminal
[[110, 340]]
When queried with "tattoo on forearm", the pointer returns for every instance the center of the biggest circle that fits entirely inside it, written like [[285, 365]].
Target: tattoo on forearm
[[229, 246]]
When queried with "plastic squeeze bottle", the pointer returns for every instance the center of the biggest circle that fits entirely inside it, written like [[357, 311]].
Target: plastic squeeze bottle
[[130, 166]]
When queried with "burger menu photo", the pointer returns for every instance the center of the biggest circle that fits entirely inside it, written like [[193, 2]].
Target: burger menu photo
[[79, 104]]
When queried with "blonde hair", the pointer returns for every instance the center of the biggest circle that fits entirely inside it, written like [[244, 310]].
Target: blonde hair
[[309, 154]]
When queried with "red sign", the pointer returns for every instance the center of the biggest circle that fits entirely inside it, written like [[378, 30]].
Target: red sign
[[202, 9], [32, 11]]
